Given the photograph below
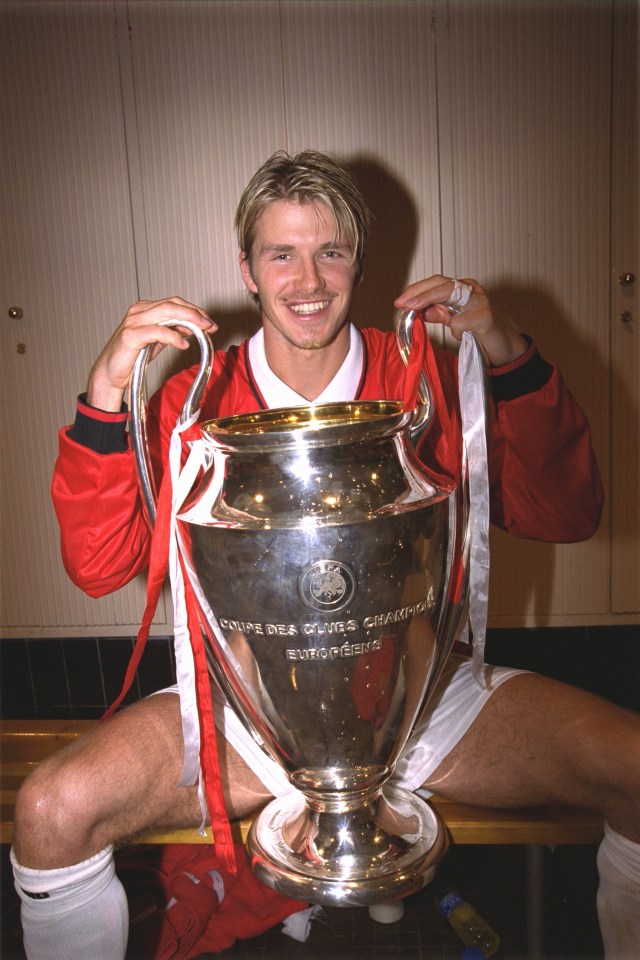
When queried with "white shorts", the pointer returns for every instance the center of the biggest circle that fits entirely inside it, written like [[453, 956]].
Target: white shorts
[[455, 703]]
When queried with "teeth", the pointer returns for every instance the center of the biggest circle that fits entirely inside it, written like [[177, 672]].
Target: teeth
[[307, 308]]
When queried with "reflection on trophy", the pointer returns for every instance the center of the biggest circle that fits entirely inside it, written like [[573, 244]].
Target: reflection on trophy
[[327, 557]]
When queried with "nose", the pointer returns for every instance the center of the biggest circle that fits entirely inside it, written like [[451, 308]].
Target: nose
[[310, 276]]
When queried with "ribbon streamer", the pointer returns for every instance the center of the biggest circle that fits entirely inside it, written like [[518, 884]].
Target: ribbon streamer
[[182, 481], [471, 380], [200, 750], [474, 468]]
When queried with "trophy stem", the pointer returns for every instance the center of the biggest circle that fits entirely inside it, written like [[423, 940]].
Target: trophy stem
[[384, 849]]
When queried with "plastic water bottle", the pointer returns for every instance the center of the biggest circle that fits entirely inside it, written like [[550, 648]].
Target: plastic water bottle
[[472, 929], [472, 953]]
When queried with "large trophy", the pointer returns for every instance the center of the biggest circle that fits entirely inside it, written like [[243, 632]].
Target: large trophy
[[330, 563]]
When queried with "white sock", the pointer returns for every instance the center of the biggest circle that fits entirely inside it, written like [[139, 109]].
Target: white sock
[[619, 896], [73, 913]]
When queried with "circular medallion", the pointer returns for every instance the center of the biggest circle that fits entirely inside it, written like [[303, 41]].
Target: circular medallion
[[327, 585]]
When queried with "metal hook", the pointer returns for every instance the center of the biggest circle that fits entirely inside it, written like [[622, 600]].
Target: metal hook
[[139, 441], [404, 331]]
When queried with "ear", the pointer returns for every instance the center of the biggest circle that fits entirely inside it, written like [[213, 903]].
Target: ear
[[245, 270]]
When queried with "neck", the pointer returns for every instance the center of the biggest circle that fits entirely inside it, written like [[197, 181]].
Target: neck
[[307, 371]]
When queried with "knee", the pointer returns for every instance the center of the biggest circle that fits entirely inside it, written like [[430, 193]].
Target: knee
[[619, 768], [51, 816]]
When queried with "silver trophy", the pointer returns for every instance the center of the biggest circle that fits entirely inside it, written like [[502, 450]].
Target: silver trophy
[[332, 567]]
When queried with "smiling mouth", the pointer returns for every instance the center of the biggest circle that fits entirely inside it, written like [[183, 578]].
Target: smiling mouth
[[306, 309]]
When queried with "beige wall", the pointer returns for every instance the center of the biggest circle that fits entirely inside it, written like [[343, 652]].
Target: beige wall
[[481, 133]]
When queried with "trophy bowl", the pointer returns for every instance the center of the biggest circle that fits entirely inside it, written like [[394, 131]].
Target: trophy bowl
[[325, 551]]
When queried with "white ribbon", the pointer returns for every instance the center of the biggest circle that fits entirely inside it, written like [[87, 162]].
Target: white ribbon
[[472, 388], [182, 481], [203, 453], [460, 296]]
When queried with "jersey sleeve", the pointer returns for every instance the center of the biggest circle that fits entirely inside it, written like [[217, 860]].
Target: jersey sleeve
[[544, 478], [543, 475], [104, 534]]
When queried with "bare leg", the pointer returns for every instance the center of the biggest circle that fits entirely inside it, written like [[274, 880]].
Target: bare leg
[[115, 782], [102, 790], [537, 742]]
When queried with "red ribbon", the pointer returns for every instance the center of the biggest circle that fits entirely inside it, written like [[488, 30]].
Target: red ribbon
[[209, 760]]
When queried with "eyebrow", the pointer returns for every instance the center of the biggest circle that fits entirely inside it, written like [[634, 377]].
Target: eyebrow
[[287, 247], [277, 247]]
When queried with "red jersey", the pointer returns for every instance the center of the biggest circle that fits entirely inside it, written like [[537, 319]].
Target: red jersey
[[544, 479]]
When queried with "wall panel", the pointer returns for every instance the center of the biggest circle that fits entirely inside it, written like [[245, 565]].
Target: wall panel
[[68, 262], [625, 314], [529, 96], [209, 106]]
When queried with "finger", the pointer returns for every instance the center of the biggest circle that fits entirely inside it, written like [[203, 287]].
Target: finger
[[148, 312], [423, 293], [427, 293], [438, 313], [133, 339]]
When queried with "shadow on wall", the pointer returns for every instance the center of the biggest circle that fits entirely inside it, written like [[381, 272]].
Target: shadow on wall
[[391, 245]]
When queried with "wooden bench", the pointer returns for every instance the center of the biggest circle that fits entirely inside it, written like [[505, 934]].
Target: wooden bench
[[24, 743]]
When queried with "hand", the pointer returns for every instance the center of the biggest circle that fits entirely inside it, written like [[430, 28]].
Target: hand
[[111, 372], [498, 339]]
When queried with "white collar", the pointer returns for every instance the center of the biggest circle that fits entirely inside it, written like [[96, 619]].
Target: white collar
[[276, 393]]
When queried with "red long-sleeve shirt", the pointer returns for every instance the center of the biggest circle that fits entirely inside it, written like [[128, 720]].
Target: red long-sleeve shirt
[[544, 479]]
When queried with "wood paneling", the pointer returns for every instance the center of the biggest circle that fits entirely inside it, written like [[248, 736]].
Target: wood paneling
[[625, 316], [530, 83], [481, 134], [68, 262], [210, 109]]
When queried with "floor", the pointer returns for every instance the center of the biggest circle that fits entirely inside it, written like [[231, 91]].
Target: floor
[[492, 878]]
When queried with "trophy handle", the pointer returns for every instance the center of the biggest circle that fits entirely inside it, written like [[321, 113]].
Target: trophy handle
[[404, 328], [139, 440]]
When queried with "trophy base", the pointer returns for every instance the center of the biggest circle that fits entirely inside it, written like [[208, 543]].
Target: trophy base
[[382, 850]]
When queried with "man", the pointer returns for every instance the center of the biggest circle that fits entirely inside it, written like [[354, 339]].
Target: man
[[302, 225]]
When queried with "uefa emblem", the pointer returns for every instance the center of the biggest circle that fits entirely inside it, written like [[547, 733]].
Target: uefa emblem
[[327, 586]]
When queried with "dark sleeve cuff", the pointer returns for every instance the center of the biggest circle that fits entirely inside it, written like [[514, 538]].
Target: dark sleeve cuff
[[525, 374], [99, 430]]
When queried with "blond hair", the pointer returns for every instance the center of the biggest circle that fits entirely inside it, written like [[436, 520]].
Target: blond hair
[[307, 177]]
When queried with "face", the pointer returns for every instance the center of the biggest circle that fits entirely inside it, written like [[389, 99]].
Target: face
[[303, 275]]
